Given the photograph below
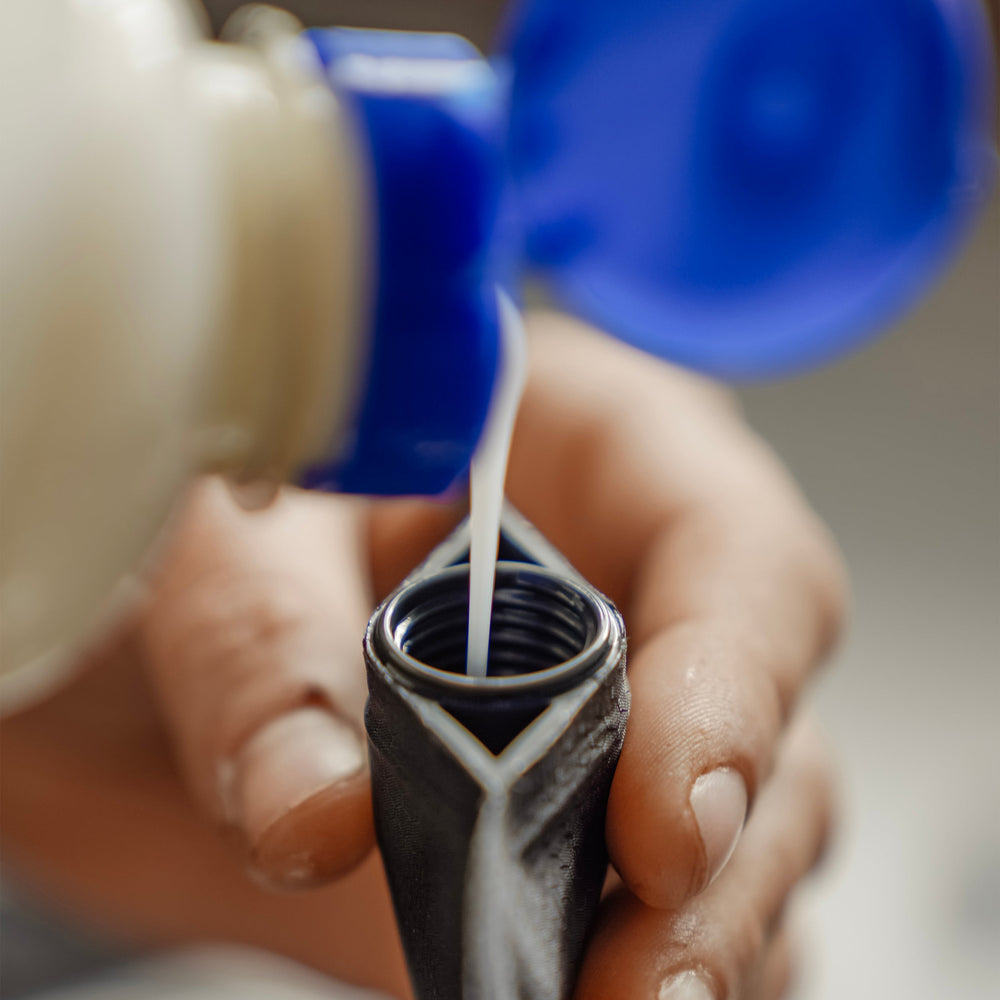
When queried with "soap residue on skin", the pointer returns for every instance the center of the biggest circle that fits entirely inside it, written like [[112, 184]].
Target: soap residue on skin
[[488, 472]]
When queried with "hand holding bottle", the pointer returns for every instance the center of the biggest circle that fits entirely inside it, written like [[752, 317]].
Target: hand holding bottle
[[235, 702]]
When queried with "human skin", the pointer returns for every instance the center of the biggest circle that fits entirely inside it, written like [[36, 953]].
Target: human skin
[[208, 756]]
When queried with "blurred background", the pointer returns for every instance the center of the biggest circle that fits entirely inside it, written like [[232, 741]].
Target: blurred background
[[898, 447]]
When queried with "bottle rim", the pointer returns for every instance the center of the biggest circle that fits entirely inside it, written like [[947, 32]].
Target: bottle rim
[[564, 612]]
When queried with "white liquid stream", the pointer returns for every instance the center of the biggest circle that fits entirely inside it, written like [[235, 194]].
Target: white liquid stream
[[489, 469]]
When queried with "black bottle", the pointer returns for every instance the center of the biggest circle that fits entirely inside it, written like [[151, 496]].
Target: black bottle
[[490, 793]]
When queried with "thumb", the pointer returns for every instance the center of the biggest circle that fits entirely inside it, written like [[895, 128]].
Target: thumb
[[253, 641]]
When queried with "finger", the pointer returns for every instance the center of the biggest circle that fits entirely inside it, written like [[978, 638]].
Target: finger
[[254, 645], [776, 972], [608, 444], [710, 697], [735, 605], [712, 948], [615, 452], [732, 590]]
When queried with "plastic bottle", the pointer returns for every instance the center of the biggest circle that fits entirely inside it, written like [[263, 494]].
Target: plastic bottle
[[490, 793], [195, 276]]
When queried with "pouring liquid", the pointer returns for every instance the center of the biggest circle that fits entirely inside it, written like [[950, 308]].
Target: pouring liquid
[[487, 475]]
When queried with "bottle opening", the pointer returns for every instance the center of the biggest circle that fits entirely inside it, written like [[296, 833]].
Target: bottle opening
[[534, 626], [548, 631], [542, 624]]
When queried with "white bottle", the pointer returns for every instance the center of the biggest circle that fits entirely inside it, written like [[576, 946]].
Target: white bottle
[[186, 267]]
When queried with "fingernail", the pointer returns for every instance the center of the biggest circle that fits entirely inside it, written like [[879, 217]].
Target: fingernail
[[686, 986], [291, 759], [719, 803]]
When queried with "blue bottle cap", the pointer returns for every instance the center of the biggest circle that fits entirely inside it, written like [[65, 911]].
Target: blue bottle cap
[[746, 187], [433, 116]]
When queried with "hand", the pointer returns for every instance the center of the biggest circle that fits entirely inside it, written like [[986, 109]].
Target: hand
[[246, 670], [732, 591]]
